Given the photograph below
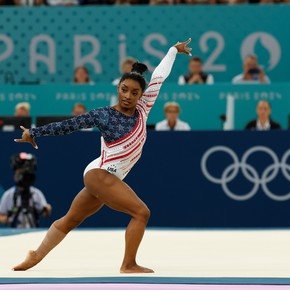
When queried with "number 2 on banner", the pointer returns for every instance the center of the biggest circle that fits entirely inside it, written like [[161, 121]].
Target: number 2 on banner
[[209, 64]]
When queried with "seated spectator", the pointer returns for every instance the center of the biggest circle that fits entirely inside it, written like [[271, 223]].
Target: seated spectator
[[172, 122], [81, 76], [126, 2], [126, 67], [29, 2], [253, 73], [78, 109], [62, 2], [22, 110], [263, 121], [22, 205], [234, 2], [160, 2], [195, 74]]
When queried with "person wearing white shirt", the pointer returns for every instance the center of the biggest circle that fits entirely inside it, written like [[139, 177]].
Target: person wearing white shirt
[[195, 74], [252, 74], [172, 122]]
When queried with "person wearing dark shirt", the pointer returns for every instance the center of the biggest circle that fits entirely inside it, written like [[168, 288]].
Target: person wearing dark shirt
[[263, 121], [195, 74]]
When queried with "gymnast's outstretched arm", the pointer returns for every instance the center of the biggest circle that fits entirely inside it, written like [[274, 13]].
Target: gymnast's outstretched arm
[[94, 118]]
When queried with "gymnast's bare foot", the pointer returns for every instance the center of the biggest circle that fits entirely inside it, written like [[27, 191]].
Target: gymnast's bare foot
[[135, 269], [31, 260]]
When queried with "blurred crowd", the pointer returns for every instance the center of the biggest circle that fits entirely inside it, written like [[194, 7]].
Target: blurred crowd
[[130, 2], [251, 73]]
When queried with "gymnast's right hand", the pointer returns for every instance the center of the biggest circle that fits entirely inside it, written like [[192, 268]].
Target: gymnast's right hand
[[26, 138]]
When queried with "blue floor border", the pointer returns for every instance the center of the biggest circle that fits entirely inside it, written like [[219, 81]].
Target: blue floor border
[[10, 232], [149, 280]]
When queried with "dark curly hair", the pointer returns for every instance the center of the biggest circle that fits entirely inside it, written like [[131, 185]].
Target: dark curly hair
[[136, 74]]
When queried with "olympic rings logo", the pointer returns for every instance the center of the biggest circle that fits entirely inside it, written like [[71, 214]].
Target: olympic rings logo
[[249, 172]]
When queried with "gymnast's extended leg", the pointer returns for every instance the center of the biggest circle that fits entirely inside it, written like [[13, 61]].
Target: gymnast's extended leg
[[83, 206]]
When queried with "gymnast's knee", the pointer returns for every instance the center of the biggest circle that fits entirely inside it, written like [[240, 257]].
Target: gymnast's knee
[[143, 214]]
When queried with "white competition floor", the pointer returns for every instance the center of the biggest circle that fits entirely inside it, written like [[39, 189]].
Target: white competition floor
[[212, 256]]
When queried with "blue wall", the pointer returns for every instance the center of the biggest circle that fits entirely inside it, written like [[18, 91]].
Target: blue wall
[[169, 177]]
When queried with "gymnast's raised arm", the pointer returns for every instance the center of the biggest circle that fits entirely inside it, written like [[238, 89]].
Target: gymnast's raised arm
[[160, 74]]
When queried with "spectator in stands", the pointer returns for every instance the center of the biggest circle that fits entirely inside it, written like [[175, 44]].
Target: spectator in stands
[[195, 2], [263, 121], [160, 2], [127, 2], [79, 109], [22, 110], [253, 73], [195, 74], [81, 76], [233, 2], [126, 67], [29, 2], [22, 205], [63, 2], [172, 121]]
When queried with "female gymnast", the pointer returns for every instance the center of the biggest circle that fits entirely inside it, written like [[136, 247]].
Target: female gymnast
[[123, 129]]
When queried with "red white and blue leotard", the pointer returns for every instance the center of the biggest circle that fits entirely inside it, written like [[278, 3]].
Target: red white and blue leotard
[[123, 137]]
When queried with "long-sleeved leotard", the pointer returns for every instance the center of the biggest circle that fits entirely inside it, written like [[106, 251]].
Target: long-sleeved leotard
[[123, 136]]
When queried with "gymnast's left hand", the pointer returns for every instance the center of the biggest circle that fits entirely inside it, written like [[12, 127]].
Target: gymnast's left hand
[[182, 47], [26, 138]]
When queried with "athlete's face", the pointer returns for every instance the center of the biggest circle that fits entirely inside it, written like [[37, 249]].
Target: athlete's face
[[129, 92]]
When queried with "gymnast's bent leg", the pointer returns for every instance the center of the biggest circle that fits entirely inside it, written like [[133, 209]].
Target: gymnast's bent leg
[[119, 196], [83, 206]]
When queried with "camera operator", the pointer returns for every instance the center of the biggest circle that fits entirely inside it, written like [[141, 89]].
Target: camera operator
[[253, 73], [22, 205]]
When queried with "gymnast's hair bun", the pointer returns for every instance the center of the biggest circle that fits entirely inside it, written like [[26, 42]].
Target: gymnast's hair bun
[[139, 68]]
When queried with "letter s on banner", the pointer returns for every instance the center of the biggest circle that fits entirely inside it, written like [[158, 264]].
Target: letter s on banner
[[151, 50]]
